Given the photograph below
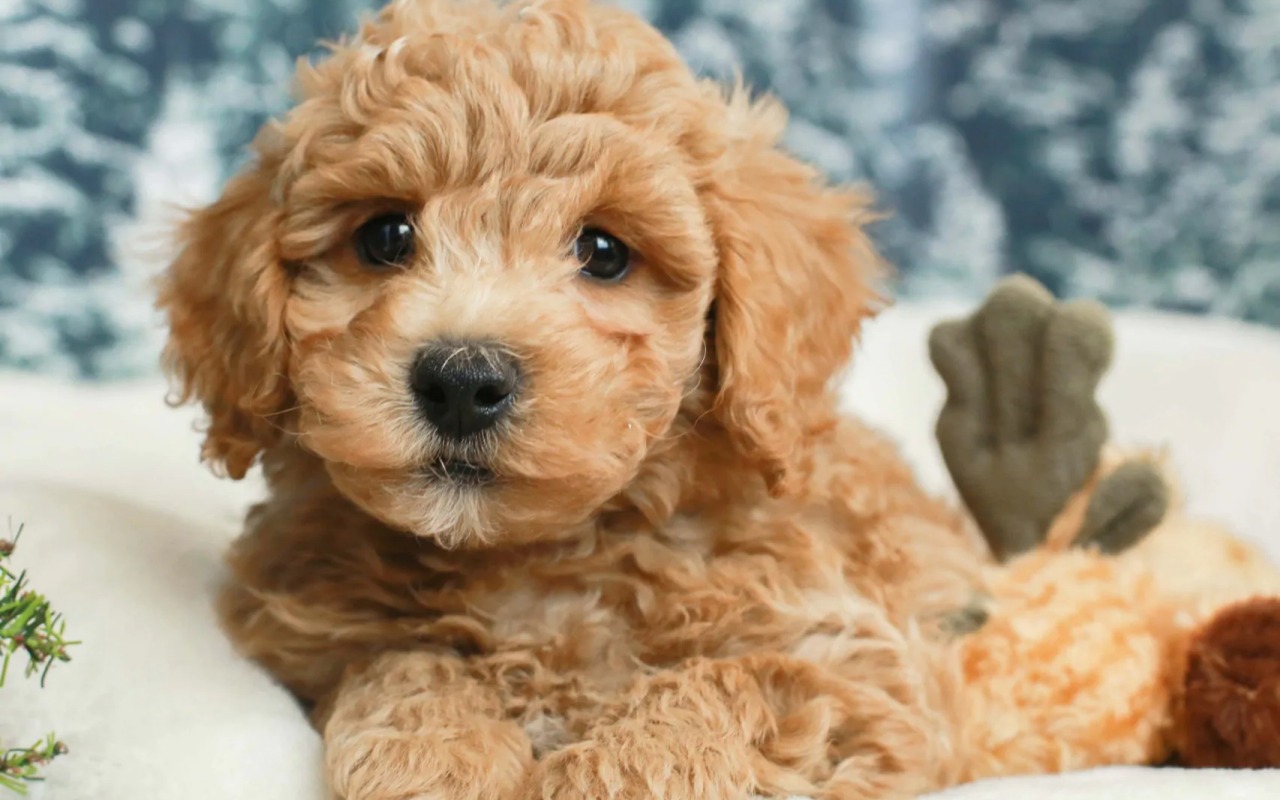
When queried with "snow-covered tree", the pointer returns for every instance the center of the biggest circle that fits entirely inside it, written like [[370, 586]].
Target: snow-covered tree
[[109, 109], [1124, 149], [1133, 147]]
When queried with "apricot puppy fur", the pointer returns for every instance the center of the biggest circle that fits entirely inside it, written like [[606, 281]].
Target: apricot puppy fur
[[533, 334]]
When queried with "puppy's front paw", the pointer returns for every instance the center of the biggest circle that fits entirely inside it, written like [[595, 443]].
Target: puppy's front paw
[[639, 768], [578, 772], [486, 760]]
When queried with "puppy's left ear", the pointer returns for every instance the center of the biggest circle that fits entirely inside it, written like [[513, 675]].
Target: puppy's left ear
[[795, 282]]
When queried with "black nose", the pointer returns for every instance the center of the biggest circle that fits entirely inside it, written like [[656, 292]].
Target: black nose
[[464, 389]]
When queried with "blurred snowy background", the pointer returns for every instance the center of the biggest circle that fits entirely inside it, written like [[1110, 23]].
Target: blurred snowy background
[[1121, 149]]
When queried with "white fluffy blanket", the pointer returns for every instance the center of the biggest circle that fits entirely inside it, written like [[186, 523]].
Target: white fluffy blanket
[[124, 532]]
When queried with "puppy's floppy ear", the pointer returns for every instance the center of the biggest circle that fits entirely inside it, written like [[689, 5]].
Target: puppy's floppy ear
[[224, 296], [795, 282]]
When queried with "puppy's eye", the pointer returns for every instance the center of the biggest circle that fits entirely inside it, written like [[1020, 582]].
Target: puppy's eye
[[385, 241], [602, 255]]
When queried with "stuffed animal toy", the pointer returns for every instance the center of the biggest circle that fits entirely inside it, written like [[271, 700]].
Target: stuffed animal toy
[[1117, 629]]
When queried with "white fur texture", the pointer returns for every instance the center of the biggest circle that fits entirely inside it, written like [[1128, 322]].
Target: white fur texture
[[124, 531]]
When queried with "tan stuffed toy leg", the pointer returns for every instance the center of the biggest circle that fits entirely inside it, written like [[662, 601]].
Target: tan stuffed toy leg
[[1094, 651]]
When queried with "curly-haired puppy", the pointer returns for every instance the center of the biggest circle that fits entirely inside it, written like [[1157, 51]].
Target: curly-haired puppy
[[533, 334]]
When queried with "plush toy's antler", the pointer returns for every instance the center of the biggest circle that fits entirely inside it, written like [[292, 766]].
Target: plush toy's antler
[[1022, 431], [1125, 507]]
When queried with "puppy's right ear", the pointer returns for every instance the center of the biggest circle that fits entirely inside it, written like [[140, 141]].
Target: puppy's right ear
[[224, 296], [797, 278]]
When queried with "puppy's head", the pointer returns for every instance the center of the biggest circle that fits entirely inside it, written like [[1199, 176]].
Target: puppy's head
[[497, 259]]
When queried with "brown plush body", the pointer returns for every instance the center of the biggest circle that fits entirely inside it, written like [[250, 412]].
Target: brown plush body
[[670, 569]]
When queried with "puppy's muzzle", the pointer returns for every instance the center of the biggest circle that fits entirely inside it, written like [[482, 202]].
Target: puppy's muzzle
[[464, 388]]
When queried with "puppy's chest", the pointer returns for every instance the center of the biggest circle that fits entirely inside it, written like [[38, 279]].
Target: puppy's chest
[[658, 603]]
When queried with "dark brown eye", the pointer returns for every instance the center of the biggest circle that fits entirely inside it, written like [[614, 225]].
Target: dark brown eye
[[602, 255], [385, 241]]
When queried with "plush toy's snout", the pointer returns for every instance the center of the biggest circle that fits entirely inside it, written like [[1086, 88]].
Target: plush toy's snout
[[1230, 715]]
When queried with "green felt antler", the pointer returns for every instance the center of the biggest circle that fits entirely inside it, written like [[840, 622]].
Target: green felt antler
[[1125, 507], [1022, 431]]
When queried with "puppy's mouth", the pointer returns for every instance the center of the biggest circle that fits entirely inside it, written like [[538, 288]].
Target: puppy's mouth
[[462, 473]]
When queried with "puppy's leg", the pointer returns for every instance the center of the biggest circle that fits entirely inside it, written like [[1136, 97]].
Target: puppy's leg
[[727, 729], [680, 735], [866, 711], [417, 726]]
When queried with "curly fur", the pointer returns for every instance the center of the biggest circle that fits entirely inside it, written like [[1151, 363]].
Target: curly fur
[[693, 579]]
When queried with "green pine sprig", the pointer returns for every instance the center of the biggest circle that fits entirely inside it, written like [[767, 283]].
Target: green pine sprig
[[20, 766], [28, 627]]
